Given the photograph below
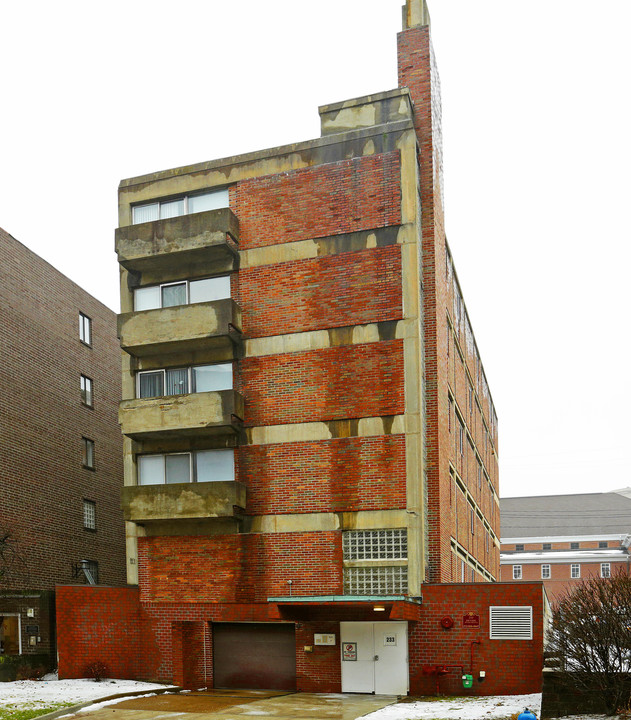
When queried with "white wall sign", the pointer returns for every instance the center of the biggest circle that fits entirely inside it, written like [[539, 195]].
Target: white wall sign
[[323, 639]]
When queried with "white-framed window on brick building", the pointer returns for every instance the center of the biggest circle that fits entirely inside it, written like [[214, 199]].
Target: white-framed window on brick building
[[185, 205], [89, 515], [575, 570], [186, 467], [87, 449], [605, 570], [177, 381], [184, 292], [545, 572], [516, 572], [87, 396], [85, 329]]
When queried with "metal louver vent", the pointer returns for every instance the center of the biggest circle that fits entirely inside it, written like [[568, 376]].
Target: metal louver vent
[[510, 623]]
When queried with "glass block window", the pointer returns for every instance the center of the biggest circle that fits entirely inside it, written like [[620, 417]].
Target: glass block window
[[375, 545], [376, 580], [89, 515]]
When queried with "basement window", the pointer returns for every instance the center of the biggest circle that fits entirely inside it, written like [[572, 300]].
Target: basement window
[[186, 292], [201, 466], [510, 623], [177, 381], [186, 205]]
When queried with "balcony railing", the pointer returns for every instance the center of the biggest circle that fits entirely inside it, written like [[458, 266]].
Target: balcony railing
[[178, 416], [181, 502], [179, 245], [183, 328]]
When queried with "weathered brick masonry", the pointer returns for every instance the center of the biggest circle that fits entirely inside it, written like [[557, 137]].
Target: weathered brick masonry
[[367, 442], [43, 420]]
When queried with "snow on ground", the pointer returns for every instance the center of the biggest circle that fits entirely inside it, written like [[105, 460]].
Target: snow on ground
[[50, 691], [463, 708]]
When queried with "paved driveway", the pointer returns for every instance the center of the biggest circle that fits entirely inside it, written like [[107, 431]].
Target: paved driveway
[[242, 705]]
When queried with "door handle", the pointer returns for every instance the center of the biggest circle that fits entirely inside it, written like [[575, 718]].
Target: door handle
[[376, 658]]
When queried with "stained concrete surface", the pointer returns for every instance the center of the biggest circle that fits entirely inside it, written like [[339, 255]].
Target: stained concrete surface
[[242, 705]]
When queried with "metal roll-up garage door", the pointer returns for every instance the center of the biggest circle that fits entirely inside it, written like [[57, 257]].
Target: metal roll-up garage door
[[254, 655]]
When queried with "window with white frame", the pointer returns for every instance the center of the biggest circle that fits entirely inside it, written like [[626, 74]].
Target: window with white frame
[[177, 381], [605, 570], [185, 205], [186, 467], [185, 292], [85, 329], [575, 570], [89, 515], [86, 391], [516, 572], [545, 572]]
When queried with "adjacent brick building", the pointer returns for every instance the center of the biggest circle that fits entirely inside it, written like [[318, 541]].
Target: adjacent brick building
[[60, 450], [310, 440], [560, 539]]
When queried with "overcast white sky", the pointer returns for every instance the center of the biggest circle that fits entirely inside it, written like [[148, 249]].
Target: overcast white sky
[[536, 124]]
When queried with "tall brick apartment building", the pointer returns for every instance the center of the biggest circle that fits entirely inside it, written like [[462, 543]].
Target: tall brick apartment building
[[310, 440], [60, 450]]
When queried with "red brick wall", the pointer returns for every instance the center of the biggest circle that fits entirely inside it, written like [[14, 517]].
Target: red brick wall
[[415, 72], [329, 199], [334, 383], [239, 568], [349, 288], [167, 642], [101, 624], [357, 473], [512, 666]]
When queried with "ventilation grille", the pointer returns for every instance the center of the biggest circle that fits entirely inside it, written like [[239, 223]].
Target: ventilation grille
[[510, 623]]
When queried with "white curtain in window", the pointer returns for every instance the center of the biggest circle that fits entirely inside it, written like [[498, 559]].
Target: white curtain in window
[[208, 201], [147, 298], [178, 468], [173, 295], [151, 384], [173, 208], [150, 469], [216, 288], [210, 378], [145, 213], [215, 465], [176, 381]]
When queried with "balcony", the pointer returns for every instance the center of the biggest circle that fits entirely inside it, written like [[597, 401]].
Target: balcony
[[180, 244], [183, 503], [177, 416], [183, 328]]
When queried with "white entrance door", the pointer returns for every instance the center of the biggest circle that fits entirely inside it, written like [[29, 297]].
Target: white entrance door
[[374, 657]]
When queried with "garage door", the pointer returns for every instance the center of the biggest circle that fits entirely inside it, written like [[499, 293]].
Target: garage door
[[253, 655]]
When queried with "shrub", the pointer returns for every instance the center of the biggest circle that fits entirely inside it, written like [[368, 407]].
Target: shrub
[[97, 670]]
